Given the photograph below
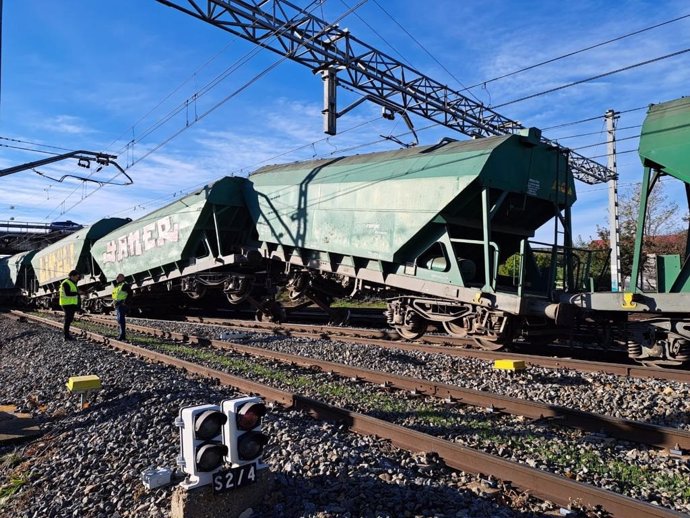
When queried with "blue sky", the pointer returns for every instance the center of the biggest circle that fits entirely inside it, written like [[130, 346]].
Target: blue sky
[[95, 75]]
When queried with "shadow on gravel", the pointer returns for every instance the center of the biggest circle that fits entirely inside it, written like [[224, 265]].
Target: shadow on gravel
[[379, 495], [115, 405], [674, 418], [23, 334], [563, 381]]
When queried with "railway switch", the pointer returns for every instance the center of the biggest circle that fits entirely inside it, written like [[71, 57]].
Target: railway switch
[[201, 443]]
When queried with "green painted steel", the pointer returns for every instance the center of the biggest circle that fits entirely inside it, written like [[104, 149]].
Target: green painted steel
[[173, 234], [663, 148], [667, 271], [374, 205], [665, 136], [53, 263], [18, 263], [6, 282]]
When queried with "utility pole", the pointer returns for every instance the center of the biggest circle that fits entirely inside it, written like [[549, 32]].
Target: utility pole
[[614, 230]]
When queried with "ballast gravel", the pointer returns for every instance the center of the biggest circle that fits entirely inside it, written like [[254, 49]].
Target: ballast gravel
[[653, 401], [619, 466], [89, 461]]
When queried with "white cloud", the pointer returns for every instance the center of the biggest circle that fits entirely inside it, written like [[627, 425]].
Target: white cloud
[[68, 124]]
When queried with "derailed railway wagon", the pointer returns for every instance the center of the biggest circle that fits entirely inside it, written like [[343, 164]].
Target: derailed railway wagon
[[660, 331], [444, 233], [200, 244], [430, 225], [17, 278], [52, 264]]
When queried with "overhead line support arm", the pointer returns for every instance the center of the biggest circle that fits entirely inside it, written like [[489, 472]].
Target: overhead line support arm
[[290, 31]]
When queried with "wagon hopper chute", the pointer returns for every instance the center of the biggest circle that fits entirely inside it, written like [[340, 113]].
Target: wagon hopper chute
[[429, 224]]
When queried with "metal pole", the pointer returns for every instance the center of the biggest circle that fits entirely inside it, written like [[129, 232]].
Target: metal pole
[[614, 227], [330, 109], [488, 284]]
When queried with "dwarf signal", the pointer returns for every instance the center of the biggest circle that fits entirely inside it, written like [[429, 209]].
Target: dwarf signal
[[201, 443]]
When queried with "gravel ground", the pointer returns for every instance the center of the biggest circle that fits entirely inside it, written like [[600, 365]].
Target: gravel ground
[[619, 466], [88, 463], [653, 401]]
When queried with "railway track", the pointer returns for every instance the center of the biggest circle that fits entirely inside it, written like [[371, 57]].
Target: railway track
[[625, 429], [544, 485], [436, 344]]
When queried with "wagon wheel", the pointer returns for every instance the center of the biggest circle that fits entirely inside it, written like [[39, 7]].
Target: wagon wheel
[[239, 296], [489, 344], [271, 312], [455, 328], [198, 293], [411, 332]]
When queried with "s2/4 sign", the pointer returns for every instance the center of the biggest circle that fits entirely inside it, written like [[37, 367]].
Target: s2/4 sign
[[229, 479]]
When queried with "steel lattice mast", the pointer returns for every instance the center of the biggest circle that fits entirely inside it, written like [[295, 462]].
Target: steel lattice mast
[[294, 33]]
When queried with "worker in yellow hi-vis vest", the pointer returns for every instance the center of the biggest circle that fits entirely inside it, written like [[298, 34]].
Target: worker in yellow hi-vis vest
[[69, 300], [121, 291]]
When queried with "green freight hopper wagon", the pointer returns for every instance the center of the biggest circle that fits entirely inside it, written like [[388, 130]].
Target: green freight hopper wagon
[[665, 338], [431, 223], [193, 244], [52, 264], [16, 277]]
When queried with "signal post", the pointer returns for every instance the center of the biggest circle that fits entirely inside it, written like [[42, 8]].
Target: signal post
[[221, 448]]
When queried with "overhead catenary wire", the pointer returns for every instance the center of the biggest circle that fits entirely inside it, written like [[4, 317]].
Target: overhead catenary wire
[[592, 78], [605, 142], [594, 118], [616, 153], [251, 166], [205, 89], [216, 106], [421, 46], [597, 132], [579, 51], [47, 146]]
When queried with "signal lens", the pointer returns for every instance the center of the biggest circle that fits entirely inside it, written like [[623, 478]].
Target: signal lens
[[210, 456], [251, 445], [209, 424], [249, 416]]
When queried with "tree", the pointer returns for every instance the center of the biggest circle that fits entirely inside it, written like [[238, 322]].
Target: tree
[[663, 232]]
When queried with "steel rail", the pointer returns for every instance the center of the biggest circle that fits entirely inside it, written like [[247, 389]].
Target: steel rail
[[440, 345], [544, 485], [435, 345], [625, 429]]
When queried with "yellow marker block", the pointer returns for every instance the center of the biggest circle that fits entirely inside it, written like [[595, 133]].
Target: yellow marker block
[[83, 383], [510, 365], [628, 300]]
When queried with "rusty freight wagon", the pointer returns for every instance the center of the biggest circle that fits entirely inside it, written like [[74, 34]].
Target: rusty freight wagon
[[431, 226], [52, 264]]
